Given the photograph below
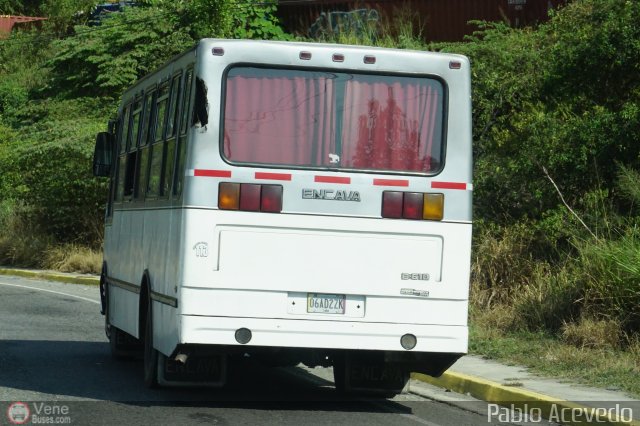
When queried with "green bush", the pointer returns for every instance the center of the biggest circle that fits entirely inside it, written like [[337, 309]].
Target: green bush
[[47, 170], [257, 20], [108, 59], [611, 274]]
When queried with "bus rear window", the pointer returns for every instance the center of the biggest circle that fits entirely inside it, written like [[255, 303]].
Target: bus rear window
[[323, 119]]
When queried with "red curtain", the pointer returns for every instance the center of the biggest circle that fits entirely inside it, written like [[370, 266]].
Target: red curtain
[[390, 126], [279, 120], [388, 123]]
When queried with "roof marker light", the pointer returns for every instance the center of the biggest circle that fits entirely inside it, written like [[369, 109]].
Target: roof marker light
[[305, 56], [217, 51], [369, 59], [455, 65], [338, 57]]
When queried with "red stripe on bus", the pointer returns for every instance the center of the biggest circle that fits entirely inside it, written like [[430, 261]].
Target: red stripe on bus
[[448, 185], [273, 176], [390, 182], [212, 173], [332, 179]]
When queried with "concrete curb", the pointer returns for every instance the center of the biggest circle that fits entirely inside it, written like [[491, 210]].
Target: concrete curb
[[51, 276], [516, 398]]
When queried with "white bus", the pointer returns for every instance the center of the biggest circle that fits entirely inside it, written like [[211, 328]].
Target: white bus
[[292, 202]]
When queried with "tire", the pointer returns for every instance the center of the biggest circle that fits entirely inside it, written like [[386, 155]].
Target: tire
[[339, 372], [150, 353]]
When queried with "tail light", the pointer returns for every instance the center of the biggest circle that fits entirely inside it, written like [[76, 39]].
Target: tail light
[[412, 205], [229, 196], [250, 197], [392, 204], [433, 208], [271, 199]]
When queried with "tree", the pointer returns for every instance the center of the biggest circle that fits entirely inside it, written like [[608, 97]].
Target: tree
[[104, 60]]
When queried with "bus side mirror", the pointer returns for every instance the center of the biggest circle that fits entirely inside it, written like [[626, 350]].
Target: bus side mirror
[[103, 155]]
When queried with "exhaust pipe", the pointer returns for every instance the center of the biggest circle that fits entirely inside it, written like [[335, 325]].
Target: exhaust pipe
[[181, 358]]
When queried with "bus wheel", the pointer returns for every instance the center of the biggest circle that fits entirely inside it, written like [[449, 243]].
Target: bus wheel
[[339, 372], [150, 353]]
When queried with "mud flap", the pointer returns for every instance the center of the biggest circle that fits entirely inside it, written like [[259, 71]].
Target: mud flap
[[208, 370], [367, 372]]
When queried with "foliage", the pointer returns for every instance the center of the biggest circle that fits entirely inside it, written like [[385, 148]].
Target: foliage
[[208, 18], [62, 14], [73, 258], [257, 20], [47, 171], [611, 273], [564, 98], [107, 59], [21, 59]]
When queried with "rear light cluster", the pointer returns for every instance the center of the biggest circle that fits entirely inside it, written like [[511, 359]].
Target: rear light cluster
[[412, 205], [250, 197]]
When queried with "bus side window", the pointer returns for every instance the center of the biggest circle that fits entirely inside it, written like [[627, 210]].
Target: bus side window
[[146, 137], [124, 136], [132, 156], [123, 140], [181, 150], [170, 144], [113, 182], [155, 165]]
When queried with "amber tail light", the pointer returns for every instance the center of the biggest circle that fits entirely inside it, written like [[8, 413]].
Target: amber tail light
[[250, 197]]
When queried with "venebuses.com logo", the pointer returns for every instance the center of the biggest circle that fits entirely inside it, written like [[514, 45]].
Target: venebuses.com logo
[[20, 413]]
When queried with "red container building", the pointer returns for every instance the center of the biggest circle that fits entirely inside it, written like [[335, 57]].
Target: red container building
[[7, 22], [440, 20]]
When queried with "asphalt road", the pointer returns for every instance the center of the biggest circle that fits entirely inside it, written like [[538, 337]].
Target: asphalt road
[[54, 357]]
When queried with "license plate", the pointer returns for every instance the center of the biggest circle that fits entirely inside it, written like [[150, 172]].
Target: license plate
[[318, 303]]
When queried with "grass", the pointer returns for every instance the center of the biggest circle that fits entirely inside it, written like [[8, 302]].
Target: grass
[[23, 244], [74, 258], [596, 365]]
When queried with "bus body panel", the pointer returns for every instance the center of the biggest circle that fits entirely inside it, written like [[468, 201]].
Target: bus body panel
[[325, 253], [215, 302], [310, 334]]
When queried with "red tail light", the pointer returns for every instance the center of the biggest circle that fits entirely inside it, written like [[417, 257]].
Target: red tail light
[[412, 206], [250, 197], [392, 204], [271, 199]]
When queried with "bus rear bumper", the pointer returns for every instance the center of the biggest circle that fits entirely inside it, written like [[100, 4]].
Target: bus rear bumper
[[322, 334]]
